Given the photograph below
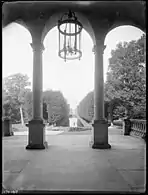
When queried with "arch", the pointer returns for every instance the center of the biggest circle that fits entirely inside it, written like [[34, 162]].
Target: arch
[[17, 35], [22, 24], [116, 101], [117, 27], [52, 22], [123, 23], [50, 55]]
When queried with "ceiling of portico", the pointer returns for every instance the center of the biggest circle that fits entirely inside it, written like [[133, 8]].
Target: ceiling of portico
[[107, 12]]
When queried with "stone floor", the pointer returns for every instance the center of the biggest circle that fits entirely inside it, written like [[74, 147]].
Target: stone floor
[[70, 164]]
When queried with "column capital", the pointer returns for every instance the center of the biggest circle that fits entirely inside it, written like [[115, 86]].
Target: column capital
[[101, 48], [37, 46]]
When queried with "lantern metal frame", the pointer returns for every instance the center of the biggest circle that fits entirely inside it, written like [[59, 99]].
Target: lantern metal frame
[[72, 22], [70, 58], [72, 19]]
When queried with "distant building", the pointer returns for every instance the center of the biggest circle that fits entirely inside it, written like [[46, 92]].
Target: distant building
[[72, 118], [73, 122]]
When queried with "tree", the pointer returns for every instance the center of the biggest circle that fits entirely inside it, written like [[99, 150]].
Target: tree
[[28, 106], [126, 77], [86, 107], [55, 107], [58, 109], [15, 86], [116, 109], [125, 88]]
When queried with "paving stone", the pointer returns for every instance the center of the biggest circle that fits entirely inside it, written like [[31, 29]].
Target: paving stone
[[136, 178], [8, 179], [69, 163], [15, 166]]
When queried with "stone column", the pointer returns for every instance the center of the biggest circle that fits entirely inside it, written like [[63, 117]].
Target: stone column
[[37, 47], [36, 125], [100, 125]]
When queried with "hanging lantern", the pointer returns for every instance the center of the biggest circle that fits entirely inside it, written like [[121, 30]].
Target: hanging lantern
[[69, 37]]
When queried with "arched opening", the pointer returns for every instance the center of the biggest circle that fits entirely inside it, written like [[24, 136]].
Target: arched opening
[[17, 67], [115, 41], [74, 78], [15, 47]]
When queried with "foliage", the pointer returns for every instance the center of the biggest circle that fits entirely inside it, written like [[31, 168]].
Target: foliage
[[55, 107], [14, 90], [28, 106], [16, 86], [125, 88], [119, 111], [126, 78], [86, 107]]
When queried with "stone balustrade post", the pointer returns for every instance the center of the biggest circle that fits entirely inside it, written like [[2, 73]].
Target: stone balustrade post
[[127, 126], [7, 127]]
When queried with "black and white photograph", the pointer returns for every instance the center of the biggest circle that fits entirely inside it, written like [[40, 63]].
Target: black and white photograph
[[74, 97]]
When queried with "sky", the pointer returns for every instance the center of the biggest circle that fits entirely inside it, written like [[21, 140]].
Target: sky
[[75, 79]]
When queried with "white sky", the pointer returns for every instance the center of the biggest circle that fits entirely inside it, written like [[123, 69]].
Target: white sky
[[74, 78]]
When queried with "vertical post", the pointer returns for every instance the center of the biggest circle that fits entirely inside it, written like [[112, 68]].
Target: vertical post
[[7, 127], [37, 79], [127, 126], [36, 125], [100, 125], [99, 82]]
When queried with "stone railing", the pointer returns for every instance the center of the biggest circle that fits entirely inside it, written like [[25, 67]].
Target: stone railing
[[135, 127], [138, 127]]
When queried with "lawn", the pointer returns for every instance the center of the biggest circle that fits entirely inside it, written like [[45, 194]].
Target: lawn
[[19, 127]]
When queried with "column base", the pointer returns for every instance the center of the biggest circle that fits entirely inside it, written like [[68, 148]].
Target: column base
[[100, 135], [126, 134], [37, 146], [101, 146], [36, 136]]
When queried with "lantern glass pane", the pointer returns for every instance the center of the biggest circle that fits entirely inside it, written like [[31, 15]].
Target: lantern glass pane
[[62, 38], [67, 28], [69, 38]]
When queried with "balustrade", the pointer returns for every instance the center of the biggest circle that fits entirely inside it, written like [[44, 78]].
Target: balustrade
[[138, 127]]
